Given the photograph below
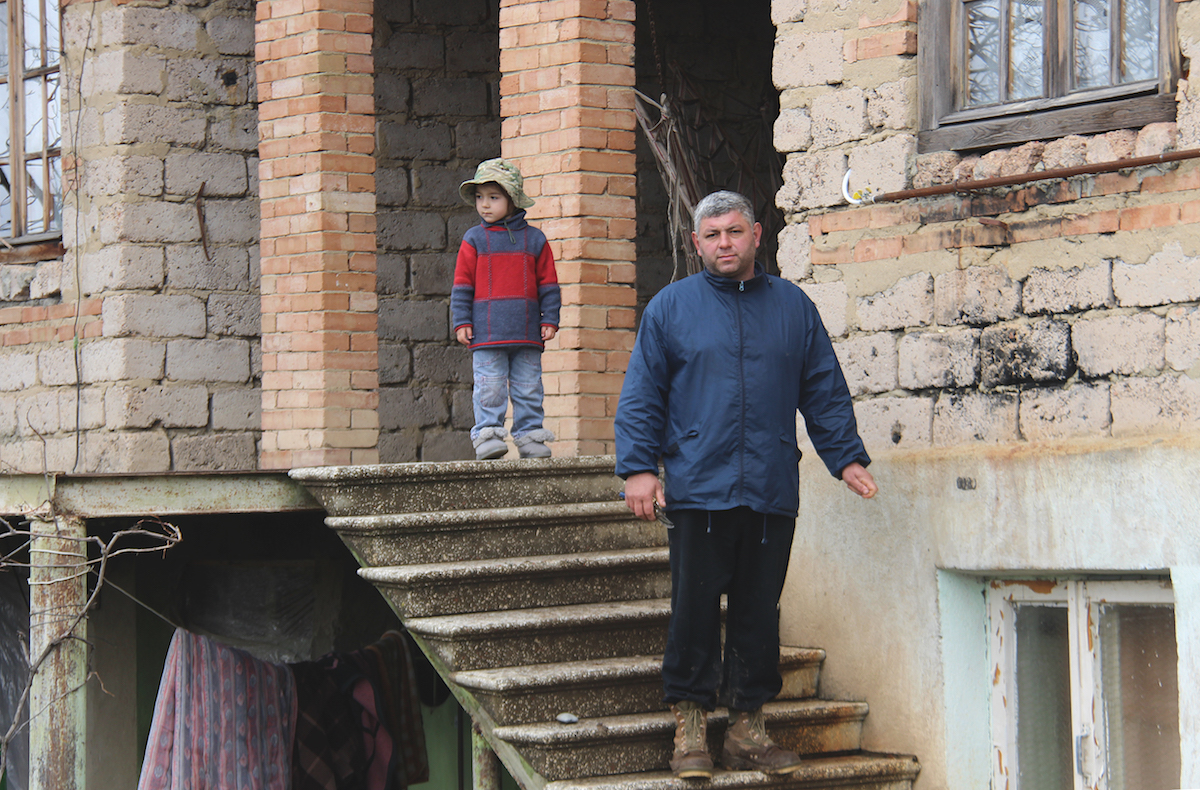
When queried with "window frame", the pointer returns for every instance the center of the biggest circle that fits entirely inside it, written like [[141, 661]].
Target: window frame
[[1082, 600], [943, 125], [18, 243]]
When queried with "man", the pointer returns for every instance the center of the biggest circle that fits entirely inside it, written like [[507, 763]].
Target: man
[[722, 361]]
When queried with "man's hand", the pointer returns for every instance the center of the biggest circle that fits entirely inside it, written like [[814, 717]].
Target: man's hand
[[464, 334], [641, 492], [859, 480], [548, 332]]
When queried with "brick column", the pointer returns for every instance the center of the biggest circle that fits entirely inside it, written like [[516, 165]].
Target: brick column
[[567, 102], [316, 130]]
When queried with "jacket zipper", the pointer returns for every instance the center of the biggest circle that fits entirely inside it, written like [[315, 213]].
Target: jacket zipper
[[742, 385]]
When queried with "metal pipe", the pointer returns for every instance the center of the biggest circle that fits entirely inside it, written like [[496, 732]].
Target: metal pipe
[[1025, 178]]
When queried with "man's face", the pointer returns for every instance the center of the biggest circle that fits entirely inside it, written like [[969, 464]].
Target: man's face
[[727, 243], [492, 202]]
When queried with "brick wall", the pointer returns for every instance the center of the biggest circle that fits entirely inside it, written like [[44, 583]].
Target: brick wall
[[1054, 310], [319, 307], [569, 124], [138, 350]]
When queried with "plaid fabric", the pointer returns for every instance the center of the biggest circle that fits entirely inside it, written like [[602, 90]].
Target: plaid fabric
[[328, 753], [358, 724], [401, 707]]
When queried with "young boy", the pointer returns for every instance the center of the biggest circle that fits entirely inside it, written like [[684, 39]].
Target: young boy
[[504, 305]]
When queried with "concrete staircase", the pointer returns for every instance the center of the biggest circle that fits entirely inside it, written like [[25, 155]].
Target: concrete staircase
[[534, 592]]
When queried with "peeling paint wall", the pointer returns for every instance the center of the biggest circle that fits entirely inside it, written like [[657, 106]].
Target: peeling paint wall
[[885, 585]]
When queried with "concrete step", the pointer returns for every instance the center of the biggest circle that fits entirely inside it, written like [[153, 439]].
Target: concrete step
[[643, 742], [545, 635], [603, 687], [862, 771], [488, 533], [524, 582], [460, 485]]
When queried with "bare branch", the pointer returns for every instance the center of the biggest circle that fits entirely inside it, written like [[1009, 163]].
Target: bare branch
[[145, 536]]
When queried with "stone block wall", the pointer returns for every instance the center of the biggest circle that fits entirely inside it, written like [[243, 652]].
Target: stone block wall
[[138, 350], [1046, 311], [437, 102]]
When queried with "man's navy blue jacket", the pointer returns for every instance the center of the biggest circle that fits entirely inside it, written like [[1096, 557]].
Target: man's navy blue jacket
[[718, 370]]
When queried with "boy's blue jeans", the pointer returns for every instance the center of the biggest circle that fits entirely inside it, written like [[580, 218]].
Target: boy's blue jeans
[[499, 374]]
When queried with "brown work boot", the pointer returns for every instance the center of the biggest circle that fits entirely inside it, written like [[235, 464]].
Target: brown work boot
[[690, 759], [749, 748]]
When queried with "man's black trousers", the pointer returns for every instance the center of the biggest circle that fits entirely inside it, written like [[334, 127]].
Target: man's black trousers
[[744, 555]]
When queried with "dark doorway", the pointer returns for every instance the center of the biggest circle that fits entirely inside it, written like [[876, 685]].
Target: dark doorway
[[714, 68]]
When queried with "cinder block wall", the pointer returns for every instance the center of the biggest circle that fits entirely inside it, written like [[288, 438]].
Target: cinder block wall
[[438, 116], [1049, 311], [139, 350]]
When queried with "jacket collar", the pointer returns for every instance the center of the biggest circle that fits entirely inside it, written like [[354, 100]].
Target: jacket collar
[[513, 222], [728, 284]]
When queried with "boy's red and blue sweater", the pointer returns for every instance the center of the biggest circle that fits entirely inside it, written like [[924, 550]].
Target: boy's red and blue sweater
[[505, 285]]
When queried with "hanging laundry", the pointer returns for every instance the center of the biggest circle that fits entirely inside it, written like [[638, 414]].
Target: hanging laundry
[[358, 722], [223, 721]]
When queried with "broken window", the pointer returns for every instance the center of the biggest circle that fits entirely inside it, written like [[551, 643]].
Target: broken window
[[1036, 69], [31, 141], [1085, 691]]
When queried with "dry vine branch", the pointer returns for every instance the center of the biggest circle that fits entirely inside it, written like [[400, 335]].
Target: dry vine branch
[[147, 535]]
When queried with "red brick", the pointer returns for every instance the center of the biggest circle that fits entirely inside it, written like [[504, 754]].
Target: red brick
[[1174, 181], [878, 249], [1143, 217], [825, 255], [1111, 184], [1189, 212], [845, 219], [896, 42], [929, 240], [982, 236], [1035, 230], [1085, 224]]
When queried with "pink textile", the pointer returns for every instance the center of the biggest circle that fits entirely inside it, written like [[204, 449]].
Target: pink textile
[[376, 738], [223, 721]]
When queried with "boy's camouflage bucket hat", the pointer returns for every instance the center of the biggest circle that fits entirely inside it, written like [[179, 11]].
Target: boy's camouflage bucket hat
[[503, 173]]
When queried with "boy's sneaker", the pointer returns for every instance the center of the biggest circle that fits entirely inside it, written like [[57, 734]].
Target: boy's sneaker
[[533, 444], [749, 748], [489, 449], [490, 444]]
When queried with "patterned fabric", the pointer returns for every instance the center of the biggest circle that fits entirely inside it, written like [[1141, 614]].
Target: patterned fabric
[[359, 723], [505, 285], [328, 752], [401, 707], [223, 721]]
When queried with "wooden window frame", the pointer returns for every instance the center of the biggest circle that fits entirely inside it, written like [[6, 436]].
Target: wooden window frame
[[41, 243], [944, 125]]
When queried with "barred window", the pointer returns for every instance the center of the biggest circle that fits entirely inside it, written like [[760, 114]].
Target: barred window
[[31, 141]]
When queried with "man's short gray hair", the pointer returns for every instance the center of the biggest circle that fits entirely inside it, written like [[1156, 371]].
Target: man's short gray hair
[[721, 203]]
